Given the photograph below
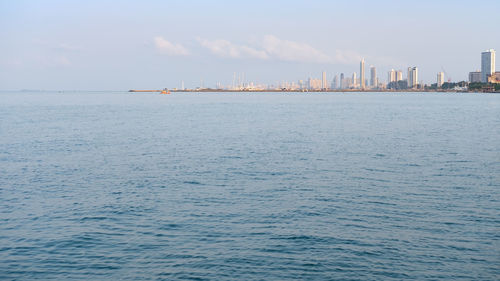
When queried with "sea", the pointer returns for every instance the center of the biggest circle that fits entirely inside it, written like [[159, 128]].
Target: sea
[[249, 186]]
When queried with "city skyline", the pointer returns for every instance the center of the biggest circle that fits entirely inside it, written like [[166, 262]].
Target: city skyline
[[395, 79], [96, 45]]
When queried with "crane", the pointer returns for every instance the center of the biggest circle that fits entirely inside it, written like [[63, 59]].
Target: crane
[[446, 74]]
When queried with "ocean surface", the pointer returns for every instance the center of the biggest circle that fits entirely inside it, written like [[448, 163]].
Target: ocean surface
[[249, 186]]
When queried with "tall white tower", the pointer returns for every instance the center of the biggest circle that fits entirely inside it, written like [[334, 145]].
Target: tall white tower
[[487, 64], [324, 85], [391, 77], [399, 75], [362, 74], [440, 79]]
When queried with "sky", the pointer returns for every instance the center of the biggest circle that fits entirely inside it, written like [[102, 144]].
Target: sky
[[121, 45]]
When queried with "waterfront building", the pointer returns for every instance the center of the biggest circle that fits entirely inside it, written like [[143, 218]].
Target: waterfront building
[[412, 77], [394, 76], [487, 64], [391, 77], [475, 77], [373, 77], [324, 84], [348, 82], [334, 82], [314, 84], [342, 82], [362, 74], [440, 79], [399, 75], [494, 78], [354, 83]]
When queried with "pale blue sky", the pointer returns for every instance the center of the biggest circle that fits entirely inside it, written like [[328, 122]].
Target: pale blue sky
[[119, 45]]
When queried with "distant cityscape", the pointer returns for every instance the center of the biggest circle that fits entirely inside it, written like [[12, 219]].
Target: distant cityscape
[[485, 79]]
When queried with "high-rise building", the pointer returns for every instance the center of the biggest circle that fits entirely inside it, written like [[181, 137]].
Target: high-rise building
[[354, 80], [362, 74], [373, 77], [341, 82], [475, 76], [440, 79], [412, 77], [324, 84], [399, 75], [487, 64], [391, 77], [335, 82]]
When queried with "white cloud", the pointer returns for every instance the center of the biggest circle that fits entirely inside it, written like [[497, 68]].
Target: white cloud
[[342, 56], [293, 51], [16, 63], [224, 48], [62, 61], [271, 47], [49, 61], [166, 47], [67, 47]]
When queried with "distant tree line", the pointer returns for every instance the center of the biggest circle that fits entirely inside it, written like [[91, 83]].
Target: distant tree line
[[451, 85], [478, 86], [403, 85], [398, 85], [432, 87]]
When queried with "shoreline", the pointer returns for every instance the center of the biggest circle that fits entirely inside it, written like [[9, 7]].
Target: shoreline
[[307, 91]]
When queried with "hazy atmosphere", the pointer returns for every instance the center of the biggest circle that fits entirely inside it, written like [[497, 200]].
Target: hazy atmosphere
[[249, 140], [120, 45]]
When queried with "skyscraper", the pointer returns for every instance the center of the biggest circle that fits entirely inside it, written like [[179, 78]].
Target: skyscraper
[[342, 83], [334, 82], [391, 77], [440, 79], [373, 77], [354, 80], [362, 74], [324, 85], [301, 85], [399, 75], [487, 64], [412, 77]]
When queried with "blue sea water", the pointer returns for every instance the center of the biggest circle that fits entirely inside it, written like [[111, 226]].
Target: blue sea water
[[249, 186]]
